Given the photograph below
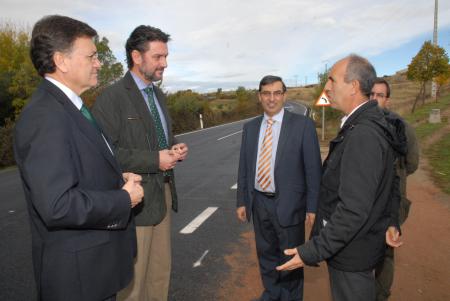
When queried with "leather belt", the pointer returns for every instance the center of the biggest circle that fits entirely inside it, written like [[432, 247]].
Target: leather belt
[[266, 194], [166, 179]]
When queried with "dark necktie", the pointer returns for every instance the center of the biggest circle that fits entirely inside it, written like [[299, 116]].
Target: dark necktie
[[86, 113], [162, 141]]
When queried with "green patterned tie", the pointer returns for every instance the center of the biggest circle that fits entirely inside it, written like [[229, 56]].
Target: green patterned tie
[[162, 141], [86, 113]]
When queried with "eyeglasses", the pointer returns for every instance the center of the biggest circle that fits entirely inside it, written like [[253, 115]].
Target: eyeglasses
[[93, 57], [267, 94], [377, 95]]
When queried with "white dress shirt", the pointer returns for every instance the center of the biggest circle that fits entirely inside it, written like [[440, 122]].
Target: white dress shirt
[[344, 119], [74, 98]]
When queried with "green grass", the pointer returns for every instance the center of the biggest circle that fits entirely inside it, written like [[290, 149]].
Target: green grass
[[438, 154], [426, 129], [422, 112], [439, 157]]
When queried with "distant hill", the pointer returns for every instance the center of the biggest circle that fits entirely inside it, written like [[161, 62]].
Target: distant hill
[[403, 92]]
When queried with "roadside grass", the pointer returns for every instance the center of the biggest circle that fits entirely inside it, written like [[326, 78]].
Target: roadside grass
[[438, 156], [425, 130], [422, 112]]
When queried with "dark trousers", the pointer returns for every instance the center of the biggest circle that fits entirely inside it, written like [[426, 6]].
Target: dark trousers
[[352, 286], [384, 275], [271, 240]]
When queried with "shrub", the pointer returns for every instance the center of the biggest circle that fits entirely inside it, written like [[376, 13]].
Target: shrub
[[6, 144]]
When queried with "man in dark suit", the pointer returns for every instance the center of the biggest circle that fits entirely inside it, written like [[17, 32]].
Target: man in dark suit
[[278, 181], [134, 114], [83, 234]]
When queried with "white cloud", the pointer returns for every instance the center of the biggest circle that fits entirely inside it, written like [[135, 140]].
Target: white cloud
[[231, 42]]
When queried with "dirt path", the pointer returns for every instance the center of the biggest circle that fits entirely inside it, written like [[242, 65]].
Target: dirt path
[[422, 263]]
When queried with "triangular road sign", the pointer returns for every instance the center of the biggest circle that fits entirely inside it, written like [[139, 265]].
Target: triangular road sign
[[323, 100]]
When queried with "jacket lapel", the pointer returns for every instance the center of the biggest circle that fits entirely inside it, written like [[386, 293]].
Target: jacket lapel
[[83, 124], [138, 101], [283, 138], [253, 136]]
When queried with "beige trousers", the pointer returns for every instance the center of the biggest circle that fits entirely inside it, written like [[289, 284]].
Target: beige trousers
[[153, 262]]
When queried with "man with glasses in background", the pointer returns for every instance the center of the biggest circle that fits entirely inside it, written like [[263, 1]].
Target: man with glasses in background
[[278, 182], [406, 165]]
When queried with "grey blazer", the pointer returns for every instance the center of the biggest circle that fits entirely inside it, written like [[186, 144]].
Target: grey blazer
[[124, 116]]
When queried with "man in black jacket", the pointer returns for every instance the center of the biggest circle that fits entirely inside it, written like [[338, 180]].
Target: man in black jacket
[[355, 196], [406, 165]]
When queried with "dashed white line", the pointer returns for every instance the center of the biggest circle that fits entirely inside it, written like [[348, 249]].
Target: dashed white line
[[192, 226], [199, 261], [234, 186], [229, 135]]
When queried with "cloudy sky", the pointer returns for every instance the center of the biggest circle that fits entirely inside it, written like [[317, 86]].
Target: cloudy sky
[[230, 43]]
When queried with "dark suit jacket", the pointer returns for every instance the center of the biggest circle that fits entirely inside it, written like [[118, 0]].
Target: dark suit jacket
[[297, 168], [124, 116], [83, 236]]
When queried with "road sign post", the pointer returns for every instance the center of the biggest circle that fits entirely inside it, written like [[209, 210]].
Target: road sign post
[[323, 102]]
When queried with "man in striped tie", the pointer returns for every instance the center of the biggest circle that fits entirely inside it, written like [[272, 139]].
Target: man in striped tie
[[278, 182]]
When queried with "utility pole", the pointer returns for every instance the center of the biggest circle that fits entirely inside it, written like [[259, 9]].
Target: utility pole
[[296, 77], [435, 22], [435, 42]]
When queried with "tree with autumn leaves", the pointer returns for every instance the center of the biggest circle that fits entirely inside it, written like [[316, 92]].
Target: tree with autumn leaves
[[431, 62], [18, 80]]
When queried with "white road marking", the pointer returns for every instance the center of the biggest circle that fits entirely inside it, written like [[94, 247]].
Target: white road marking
[[213, 127], [199, 261], [234, 186], [192, 226], [229, 135]]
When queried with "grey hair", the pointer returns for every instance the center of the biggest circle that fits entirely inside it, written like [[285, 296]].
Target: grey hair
[[360, 69]]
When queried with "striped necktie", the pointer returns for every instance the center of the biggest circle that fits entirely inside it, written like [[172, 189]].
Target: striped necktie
[[265, 158]]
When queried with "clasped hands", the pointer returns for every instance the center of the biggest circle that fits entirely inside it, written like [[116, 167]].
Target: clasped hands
[[168, 158], [133, 187]]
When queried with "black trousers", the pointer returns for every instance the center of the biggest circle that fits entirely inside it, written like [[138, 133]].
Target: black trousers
[[271, 240], [352, 286]]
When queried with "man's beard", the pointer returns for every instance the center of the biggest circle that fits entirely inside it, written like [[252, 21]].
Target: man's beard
[[149, 76]]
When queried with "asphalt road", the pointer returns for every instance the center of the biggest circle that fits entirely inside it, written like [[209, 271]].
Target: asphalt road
[[203, 180]]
